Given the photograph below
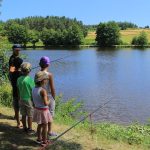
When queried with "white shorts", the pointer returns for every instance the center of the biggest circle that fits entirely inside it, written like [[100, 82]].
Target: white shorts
[[52, 105]]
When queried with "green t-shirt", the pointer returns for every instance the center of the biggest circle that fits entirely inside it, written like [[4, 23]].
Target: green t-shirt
[[25, 85]]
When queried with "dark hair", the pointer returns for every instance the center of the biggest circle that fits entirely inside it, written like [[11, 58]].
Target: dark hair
[[42, 65]]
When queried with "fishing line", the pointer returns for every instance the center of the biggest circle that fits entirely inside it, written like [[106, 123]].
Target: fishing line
[[55, 60], [81, 120], [74, 125]]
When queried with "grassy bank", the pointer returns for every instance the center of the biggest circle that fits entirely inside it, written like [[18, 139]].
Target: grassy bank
[[77, 139], [84, 136]]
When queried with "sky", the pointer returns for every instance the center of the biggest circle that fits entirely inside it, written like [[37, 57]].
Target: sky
[[88, 11]]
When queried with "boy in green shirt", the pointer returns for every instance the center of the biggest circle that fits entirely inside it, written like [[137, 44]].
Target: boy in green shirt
[[25, 85]]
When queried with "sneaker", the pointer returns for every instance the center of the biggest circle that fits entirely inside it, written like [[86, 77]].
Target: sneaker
[[52, 134], [38, 141], [30, 131], [25, 129]]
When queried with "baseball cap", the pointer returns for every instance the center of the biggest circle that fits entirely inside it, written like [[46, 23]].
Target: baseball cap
[[16, 47], [26, 67], [44, 61], [40, 76]]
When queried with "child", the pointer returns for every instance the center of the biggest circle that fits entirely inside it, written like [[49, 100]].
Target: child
[[25, 85], [44, 64], [41, 112], [14, 76]]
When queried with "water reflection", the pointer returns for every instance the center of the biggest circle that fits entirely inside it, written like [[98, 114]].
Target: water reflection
[[96, 75]]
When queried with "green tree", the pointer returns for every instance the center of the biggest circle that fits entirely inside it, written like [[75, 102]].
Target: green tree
[[2, 31], [72, 36], [33, 37], [134, 41], [141, 40], [48, 37], [108, 34], [125, 25], [17, 34], [75, 35]]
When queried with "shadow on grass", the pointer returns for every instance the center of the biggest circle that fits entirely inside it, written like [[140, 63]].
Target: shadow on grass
[[12, 138], [64, 145], [2, 116]]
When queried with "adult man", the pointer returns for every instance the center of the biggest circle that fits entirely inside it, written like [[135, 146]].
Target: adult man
[[14, 73], [16, 49]]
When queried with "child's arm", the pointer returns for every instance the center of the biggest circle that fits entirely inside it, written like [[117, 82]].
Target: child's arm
[[43, 94], [52, 87]]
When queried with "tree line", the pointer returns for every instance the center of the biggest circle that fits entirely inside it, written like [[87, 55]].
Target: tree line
[[122, 25], [53, 30], [50, 30]]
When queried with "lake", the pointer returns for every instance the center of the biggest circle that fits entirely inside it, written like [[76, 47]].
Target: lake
[[95, 76]]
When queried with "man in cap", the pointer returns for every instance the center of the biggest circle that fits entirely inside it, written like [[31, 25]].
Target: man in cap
[[16, 49], [14, 76]]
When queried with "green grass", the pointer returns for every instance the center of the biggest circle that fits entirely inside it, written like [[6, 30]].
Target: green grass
[[126, 36], [79, 138]]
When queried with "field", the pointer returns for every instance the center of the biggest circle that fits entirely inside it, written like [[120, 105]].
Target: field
[[126, 36]]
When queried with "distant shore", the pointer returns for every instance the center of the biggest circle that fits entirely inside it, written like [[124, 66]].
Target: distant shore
[[80, 46]]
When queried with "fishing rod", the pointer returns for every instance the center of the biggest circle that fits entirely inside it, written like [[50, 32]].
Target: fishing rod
[[55, 60], [100, 107], [55, 139]]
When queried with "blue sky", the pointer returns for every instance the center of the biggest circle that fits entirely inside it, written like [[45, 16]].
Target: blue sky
[[88, 11]]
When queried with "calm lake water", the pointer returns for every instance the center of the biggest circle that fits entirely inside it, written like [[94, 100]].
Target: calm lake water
[[96, 76]]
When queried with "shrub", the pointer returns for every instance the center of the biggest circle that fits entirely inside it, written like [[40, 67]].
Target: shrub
[[141, 40], [108, 34], [68, 111], [6, 94]]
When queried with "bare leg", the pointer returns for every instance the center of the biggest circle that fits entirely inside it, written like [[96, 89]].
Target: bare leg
[[44, 133], [49, 127], [17, 117], [24, 122], [30, 122], [39, 131]]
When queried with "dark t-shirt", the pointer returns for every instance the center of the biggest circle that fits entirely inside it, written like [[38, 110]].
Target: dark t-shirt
[[14, 76], [11, 60]]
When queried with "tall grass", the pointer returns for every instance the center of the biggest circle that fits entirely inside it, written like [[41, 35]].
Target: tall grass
[[6, 94], [131, 134]]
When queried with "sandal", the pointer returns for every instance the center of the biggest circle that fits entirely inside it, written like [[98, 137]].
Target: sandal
[[19, 126], [44, 143]]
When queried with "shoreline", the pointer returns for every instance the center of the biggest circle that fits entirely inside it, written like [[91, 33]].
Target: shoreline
[[81, 46]]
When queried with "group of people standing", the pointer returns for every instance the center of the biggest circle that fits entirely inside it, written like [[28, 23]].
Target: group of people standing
[[34, 99]]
